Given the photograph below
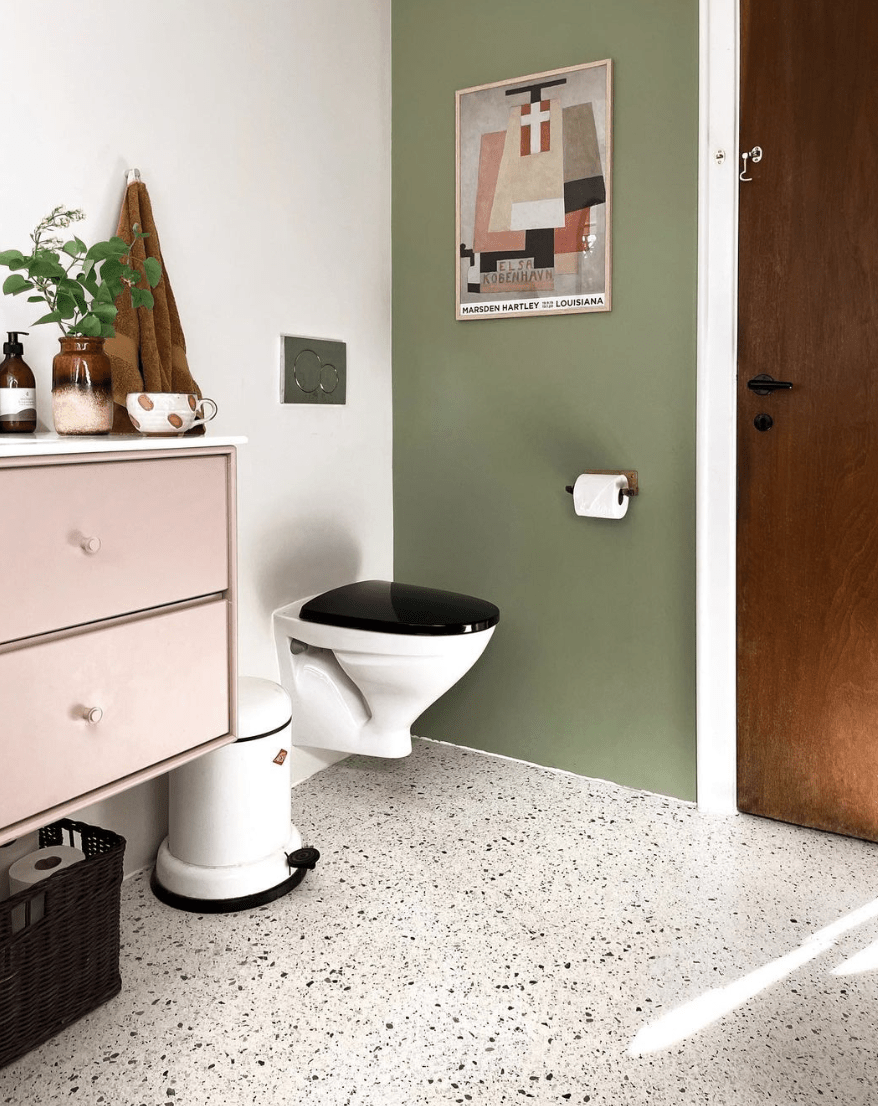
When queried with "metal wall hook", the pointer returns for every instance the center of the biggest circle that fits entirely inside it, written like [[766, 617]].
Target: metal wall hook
[[755, 156]]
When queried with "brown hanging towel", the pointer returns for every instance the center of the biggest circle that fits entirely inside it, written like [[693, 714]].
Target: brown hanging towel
[[148, 353]]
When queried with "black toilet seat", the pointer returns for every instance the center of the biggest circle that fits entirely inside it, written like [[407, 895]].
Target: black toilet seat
[[392, 608]]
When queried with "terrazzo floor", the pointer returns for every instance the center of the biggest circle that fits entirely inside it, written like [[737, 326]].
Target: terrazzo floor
[[480, 930]]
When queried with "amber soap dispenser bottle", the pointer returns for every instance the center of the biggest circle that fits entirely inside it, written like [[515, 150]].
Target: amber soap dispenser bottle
[[18, 389]]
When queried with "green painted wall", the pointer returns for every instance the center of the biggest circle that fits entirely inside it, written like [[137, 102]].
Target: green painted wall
[[592, 668]]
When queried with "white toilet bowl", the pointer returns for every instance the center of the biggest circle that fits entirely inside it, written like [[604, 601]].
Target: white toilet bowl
[[362, 662]]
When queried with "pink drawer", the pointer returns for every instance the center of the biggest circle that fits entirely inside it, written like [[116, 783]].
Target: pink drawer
[[161, 683], [95, 540]]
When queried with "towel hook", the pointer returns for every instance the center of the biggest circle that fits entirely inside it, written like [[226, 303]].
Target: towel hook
[[755, 156], [133, 175]]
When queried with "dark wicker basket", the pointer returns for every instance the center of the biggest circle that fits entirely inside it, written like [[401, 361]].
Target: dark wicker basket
[[65, 964]]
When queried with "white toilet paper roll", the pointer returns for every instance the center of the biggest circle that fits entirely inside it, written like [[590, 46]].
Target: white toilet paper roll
[[596, 495], [30, 869]]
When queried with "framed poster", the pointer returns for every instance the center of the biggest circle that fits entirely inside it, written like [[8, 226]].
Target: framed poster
[[534, 161]]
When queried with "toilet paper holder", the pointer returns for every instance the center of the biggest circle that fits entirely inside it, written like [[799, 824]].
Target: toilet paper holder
[[632, 489]]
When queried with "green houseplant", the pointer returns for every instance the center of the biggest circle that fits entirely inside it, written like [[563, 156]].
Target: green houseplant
[[80, 285]]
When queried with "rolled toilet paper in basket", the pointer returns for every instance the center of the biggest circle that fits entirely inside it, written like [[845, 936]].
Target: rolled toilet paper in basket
[[596, 495], [29, 870]]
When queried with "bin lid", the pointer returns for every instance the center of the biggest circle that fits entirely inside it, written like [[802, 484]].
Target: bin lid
[[263, 707]]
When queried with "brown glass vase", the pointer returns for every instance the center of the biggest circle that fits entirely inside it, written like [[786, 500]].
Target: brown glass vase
[[82, 393]]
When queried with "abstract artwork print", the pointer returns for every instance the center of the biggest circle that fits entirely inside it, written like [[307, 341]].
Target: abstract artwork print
[[533, 194]]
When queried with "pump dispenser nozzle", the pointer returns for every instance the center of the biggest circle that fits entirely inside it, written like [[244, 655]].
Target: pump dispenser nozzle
[[13, 346]]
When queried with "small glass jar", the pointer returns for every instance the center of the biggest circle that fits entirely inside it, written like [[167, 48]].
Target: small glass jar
[[82, 392]]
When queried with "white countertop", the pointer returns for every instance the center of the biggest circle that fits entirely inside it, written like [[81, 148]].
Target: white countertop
[[40, 444]]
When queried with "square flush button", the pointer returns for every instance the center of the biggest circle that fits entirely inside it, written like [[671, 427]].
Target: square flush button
[[313, 370]]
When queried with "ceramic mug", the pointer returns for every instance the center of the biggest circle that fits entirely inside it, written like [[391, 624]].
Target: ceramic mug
[[167, 412]]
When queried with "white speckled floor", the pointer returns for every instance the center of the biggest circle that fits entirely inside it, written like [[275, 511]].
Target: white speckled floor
[[482, 931]]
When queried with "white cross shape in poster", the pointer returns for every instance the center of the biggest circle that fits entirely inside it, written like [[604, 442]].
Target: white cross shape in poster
[[533, 120]]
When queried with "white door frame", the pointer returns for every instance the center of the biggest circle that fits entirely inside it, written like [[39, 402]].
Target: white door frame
[[716, 458]]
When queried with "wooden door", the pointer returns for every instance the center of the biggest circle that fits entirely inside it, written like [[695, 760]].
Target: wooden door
[[808, 485]]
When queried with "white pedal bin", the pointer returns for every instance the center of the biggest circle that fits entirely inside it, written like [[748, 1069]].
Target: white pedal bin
[[229, 830]]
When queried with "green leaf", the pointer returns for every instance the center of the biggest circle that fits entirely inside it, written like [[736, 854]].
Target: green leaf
[[119, 246], [52, 317], [65, 306], [100, 251], [141, 297], [8, 257], [108, 292], [153, 271], [111, 283], [90, 325], [75, 290], [111, 269], [75, 247], [107, 331], [89, 282], [15, 284], [106, 312], [36, 299], [46, 264]]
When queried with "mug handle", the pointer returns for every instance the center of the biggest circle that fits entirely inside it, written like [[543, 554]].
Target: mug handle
[[205, 418]]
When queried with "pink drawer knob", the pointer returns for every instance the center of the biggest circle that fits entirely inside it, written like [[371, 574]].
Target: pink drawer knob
[[94, 715], [91, 545]]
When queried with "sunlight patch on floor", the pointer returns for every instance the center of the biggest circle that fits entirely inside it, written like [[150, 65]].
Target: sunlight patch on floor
[[688, 1019], [864, 961]]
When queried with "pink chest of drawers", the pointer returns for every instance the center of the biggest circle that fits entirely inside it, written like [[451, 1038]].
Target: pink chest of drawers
[[117, 622]]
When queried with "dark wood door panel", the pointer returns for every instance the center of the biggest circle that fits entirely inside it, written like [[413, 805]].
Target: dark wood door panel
[[808, 512]]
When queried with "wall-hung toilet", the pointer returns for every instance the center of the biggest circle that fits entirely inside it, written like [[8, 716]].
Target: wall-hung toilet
[[358, 665], [362, 662]]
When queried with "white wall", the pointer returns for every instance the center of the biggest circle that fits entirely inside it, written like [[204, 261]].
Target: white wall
[[262, 130]]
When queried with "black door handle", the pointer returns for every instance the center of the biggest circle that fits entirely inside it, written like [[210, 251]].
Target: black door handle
[[764, 384]]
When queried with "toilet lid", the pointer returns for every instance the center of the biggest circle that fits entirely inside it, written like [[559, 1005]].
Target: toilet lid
[[393, 608]]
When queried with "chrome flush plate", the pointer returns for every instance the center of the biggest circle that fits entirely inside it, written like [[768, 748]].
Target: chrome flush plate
[[313, 370]]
